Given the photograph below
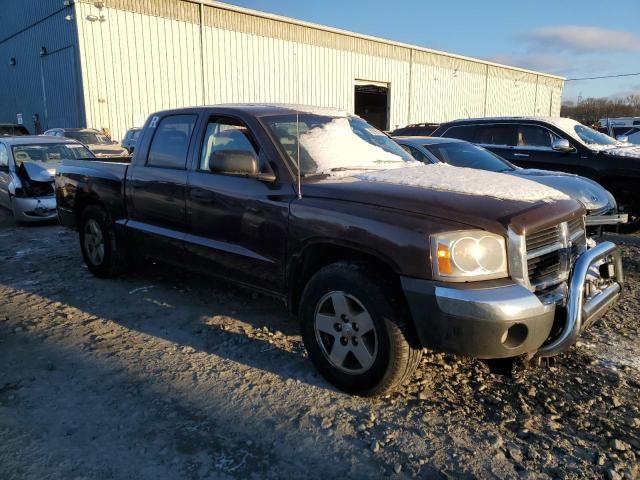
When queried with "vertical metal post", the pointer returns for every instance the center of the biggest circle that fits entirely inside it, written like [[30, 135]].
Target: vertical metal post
[[410, 86], [486, 90], [44, 93], [535, 100], [202, 82]]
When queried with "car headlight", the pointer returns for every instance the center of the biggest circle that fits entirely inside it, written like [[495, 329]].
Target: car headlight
[[468, 255]]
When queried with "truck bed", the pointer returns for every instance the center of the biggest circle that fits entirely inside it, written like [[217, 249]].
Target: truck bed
[[90, 181]]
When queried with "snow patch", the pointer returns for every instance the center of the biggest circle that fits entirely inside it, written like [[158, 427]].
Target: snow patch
[[468, 181], [631, 152], [334, 145]]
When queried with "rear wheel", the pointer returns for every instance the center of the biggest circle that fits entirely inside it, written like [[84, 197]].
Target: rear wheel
[[356, 332], [102, 250]]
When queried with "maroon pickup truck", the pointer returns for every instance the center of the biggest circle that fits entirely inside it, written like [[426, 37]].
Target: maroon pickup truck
[[378, 255]]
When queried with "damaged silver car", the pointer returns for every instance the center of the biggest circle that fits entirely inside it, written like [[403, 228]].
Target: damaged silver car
[[27, 167]]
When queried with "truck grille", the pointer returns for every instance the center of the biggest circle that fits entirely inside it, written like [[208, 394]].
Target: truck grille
[[552, 250]]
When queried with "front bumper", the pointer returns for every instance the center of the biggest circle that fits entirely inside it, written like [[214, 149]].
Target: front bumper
[[601, 220], [36, 209], [504, 319]]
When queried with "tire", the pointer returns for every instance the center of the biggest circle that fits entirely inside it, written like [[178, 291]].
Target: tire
[[380, 353], [103, 252]]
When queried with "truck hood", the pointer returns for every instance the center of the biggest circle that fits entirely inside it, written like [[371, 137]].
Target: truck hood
[[412, 192], [591, 194]]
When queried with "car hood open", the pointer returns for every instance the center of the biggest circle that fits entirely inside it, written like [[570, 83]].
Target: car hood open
[[41, 171]]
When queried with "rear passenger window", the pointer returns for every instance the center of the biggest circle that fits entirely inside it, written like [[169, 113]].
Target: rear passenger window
[[171, 142], [464, 132], [496, 135]]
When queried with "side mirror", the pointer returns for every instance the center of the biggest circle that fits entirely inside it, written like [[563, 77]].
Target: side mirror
[[234, 162], [622, 138], [562, 145]]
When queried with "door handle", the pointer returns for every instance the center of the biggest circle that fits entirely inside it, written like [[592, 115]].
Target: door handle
[[525, 155]]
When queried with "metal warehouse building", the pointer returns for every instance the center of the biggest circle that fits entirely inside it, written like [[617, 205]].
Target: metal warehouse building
[[108, 64]]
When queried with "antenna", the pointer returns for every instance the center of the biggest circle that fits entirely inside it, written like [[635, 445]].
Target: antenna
[[295, 74]]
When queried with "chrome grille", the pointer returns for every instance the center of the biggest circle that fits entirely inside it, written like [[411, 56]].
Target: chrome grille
[[551, 251]]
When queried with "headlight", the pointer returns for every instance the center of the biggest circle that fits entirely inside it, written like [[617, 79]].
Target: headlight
[[468, 255]]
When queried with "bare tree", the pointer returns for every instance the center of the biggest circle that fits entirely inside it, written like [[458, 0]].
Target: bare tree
[[590, 110]]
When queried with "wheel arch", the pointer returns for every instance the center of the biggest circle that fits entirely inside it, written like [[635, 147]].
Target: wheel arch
[[320, 253]]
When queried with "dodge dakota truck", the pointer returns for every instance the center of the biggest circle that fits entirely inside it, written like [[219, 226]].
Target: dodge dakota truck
[[378, 255]]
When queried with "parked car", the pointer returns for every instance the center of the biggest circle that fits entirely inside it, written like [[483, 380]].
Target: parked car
[[631, 136], [27, 166], [416, 129], [95, 141], [12, 130], [615, 127], [130, 139], [379, 255], [552, 143], [602, 209]]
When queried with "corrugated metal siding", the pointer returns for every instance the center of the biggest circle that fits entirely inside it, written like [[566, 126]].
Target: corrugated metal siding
[[445, 88], [147, 56], [243, 67], [135, 64], [22, 90], [510, 92], [266, 27]]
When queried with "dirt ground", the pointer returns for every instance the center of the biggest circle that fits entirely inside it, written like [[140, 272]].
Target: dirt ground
[[161, 374]]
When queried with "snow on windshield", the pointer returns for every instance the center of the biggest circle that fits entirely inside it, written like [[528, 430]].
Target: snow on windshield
[[585, 135], [468, 181], [330, 145], [336, 146]]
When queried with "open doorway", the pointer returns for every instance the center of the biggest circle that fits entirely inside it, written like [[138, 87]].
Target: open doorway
[[372, 103]]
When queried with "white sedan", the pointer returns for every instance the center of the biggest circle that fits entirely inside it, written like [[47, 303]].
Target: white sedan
[[27, 167]]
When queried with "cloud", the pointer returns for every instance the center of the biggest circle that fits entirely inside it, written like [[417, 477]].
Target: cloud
[[582, 40], [632, 90], [543, 62]]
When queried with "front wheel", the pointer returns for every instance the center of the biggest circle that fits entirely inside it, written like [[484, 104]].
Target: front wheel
[[102, 250], [356, 332]]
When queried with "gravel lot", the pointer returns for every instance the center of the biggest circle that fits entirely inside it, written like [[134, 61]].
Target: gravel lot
[[164, 374]]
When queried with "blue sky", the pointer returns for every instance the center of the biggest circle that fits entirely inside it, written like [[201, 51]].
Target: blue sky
[[570, 38]]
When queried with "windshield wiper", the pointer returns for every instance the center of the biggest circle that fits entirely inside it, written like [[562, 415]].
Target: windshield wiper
[[346, 169]]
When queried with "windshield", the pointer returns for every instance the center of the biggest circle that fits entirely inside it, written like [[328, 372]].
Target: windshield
[[592, 137], [88, 138], [50, 152], [332, 144], [469, 156]]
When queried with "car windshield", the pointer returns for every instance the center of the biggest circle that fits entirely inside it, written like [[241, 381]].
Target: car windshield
[[331, 144], [135, 134], [464, 154], [50, 152], [592, 137], [88, 138]]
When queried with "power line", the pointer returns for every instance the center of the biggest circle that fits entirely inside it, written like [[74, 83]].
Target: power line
[[606, 76]]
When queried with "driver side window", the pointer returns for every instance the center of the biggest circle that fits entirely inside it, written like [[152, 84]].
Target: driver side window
[[228, 144]]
